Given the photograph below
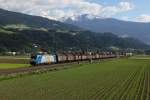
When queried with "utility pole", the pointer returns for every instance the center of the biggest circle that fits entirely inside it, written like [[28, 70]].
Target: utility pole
[[54, 42]]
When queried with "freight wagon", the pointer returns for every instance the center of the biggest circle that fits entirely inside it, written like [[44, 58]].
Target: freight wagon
[[43, 59]]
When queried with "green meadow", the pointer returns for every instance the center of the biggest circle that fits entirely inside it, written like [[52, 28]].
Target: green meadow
[[12, 65], [7, 62], [117, 79]]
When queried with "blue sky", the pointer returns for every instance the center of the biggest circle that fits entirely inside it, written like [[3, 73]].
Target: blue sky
[[131, 10], [141, 8]]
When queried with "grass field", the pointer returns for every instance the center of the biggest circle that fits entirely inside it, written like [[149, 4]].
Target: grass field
[[7, 62], [8, 66], [141, 57], [15, 59], [122, 79]]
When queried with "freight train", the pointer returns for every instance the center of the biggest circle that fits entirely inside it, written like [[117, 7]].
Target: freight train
[[45, 59]]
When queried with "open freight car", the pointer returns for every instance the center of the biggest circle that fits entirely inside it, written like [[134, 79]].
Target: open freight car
[[45, 59]]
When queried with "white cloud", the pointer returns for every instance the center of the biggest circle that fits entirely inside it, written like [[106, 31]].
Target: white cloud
[[125, 18], [121, 7], [125, 6], [143, 18], [58, 9], [140, 18]]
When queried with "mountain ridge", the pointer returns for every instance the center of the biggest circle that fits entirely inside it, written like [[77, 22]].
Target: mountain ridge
[[9, 17], [137, 30], [19, 32]]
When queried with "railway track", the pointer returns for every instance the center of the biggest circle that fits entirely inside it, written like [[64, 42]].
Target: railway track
[[40, 67], [31, 69]]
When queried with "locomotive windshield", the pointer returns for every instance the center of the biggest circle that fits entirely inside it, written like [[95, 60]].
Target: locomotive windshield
[[33, 56]]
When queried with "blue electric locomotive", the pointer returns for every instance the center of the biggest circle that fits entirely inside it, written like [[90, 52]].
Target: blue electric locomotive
[[41, 59]]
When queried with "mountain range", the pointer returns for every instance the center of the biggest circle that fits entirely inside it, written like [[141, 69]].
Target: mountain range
[[21, 32], [14, 18], [138, 30]]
